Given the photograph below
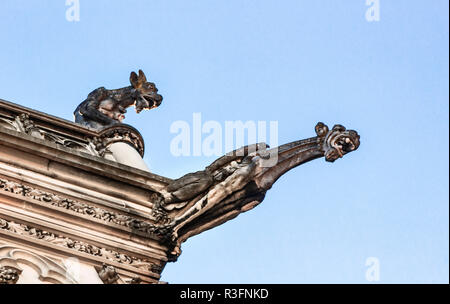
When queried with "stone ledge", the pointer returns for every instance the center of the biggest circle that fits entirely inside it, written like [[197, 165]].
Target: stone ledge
[[84, 161]]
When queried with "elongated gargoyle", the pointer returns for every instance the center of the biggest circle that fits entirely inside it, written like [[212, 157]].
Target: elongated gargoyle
[[238, 181], [103, 108]]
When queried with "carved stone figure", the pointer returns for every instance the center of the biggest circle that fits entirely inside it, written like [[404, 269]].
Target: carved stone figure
[[237, 182], [108, 274], [104, 108], [8, 275], [138, 227]]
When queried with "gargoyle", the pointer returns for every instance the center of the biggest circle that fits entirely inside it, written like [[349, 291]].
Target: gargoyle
[[238, 181], [103, 108], [108, 274]]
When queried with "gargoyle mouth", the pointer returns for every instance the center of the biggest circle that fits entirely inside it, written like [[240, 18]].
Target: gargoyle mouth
[[148, 102], [348, 143], [339, 142]]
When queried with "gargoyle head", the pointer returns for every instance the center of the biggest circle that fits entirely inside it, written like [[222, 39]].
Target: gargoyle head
[[108, 274], [338, 141], [145, 92]]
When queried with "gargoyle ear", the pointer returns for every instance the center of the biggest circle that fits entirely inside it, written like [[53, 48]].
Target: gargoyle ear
[[142, 78], [134, 80]]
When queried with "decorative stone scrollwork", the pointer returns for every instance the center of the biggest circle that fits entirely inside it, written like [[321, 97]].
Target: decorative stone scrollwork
[[9, 275], [96, 145], [99, 213], [157, 268], [48, 270], [7, 123], [119, 133], [22, 123], [80, 246]]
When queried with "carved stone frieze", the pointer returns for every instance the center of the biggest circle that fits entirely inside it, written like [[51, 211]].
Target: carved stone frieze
[[80, 246], [9, 275], [93, 145], [48, 270], [22, 123], [135, 280], [119, 133], [99, 213]]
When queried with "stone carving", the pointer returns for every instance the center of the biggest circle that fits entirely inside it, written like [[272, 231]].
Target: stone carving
[[8, 275], [160, 216], [108, 274], [48, 270], [119, 133], [337, 142], [157, 268], [26, 123], [23, 123], [93, 145], [80, 246], [104, 108], [238, 182], [135, 280]]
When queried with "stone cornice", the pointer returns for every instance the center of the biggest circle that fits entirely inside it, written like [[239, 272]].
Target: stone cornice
[[68, 205], [32, 232], [44, 119], [90, 163], [61, 134]]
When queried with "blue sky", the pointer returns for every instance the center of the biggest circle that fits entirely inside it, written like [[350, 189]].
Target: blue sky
[[295, 62]]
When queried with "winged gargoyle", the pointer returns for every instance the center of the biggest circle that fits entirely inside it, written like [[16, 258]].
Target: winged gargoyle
[[238, 181], [103, 108]]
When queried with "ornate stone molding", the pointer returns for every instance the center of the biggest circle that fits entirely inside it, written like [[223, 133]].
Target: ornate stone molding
[[95, 145], [119, 133], [59, 240], [9, 275], [181, 208], [99, 213], [47, 269], [24, 124]]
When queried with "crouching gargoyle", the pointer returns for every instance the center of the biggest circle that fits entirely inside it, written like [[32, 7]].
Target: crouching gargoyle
[[103, 108], [237, 182]]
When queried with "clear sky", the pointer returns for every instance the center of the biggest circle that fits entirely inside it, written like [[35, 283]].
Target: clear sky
[[295, 62]]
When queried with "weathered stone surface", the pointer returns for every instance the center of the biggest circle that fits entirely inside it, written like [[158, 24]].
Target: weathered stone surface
[[108, 274], [8, 275], [64, 194], [238, 182], [104, 108]]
